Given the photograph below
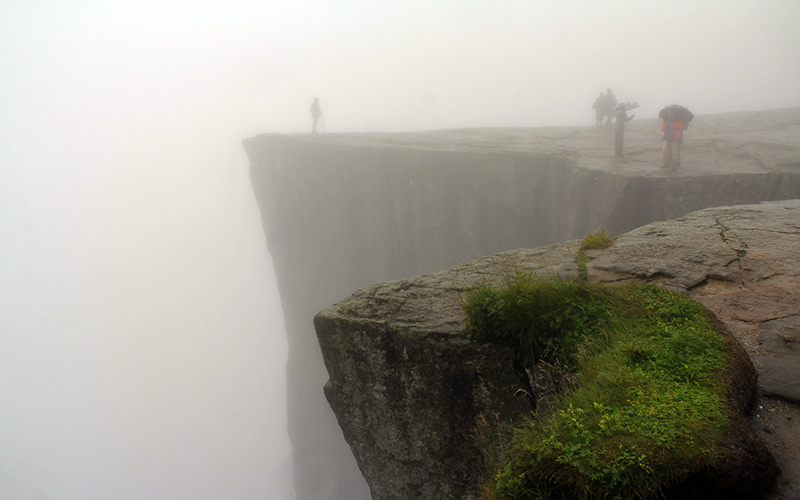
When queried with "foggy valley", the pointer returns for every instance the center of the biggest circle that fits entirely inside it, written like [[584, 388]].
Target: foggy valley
[[144, 349]]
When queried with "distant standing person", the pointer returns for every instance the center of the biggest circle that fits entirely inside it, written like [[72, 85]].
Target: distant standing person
[[315, 114], [599, 108], [619, 132], [673, 128], [611, 102]]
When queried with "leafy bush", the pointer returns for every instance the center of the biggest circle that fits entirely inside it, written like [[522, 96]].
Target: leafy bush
[[649, 407]]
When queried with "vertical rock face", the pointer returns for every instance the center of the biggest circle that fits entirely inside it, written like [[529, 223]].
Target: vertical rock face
[[341, 212], [409, 402], [418, 403]]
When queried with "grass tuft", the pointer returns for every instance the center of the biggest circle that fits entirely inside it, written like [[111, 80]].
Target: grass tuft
[[598, 239], [591, 241]]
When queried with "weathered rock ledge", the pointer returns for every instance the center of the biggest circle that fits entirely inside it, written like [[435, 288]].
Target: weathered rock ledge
[[407, 387]]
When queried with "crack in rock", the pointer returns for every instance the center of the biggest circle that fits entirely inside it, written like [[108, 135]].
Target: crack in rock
[[734, 241]]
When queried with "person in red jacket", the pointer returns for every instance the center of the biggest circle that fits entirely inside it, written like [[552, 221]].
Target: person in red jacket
[[673, 135]]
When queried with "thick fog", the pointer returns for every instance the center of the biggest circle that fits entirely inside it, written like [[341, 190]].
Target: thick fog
[[142, 351]]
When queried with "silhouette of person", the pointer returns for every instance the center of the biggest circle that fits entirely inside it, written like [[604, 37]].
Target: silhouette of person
[[619, 131], [673, 136], [599, 108], [611, 102], [315, 114]]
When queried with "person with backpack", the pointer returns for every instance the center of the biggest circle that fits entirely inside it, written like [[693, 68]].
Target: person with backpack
[[673, 128]]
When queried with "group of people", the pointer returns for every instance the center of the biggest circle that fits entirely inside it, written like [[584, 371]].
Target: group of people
[[672, 126], [605, 106]]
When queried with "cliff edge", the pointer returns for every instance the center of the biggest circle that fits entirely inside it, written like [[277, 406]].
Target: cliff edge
[[344, 211]]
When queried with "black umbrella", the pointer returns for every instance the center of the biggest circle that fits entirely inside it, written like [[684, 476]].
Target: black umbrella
[[679, 111]]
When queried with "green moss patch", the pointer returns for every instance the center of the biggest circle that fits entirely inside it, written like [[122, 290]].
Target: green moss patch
[[649, 407]]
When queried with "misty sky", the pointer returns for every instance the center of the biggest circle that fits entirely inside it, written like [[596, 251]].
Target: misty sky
[[141, 344]]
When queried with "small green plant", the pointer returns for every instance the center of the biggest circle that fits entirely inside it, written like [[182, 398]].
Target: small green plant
[[591, 241], [597, 239], [649, 406]]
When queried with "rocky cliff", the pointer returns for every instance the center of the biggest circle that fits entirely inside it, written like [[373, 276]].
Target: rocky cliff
[[410, 390], [345, 211]]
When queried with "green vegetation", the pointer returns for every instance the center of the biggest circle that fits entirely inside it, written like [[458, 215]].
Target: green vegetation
[[649, 406], [597, 240], [591, 241]]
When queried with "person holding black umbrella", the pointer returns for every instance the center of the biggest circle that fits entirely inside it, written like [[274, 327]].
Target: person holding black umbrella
[[673, 128]]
